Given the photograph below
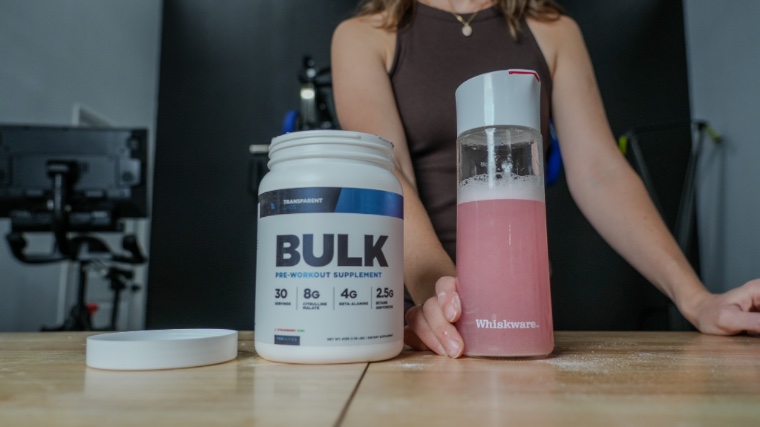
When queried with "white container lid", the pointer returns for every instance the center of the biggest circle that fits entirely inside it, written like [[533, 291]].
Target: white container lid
[[311, 144], [161, 349], [507, 97]]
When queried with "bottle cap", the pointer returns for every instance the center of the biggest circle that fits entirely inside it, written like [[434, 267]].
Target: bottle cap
[[507, 98], [161, 349]]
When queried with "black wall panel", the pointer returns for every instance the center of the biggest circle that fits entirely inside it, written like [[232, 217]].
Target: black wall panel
[[228, 75]]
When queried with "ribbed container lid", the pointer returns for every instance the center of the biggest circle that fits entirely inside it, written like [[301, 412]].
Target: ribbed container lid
[[313, 144]]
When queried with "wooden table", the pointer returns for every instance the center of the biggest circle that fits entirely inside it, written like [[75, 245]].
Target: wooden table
[[592, 378]]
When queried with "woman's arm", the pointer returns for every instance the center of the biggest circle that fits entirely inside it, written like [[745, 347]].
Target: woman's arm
[[361, 56], [612, 196]]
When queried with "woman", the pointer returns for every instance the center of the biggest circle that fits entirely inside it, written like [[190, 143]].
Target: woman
[[395, 68]]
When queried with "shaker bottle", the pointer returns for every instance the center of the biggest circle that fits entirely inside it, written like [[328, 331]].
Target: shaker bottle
[[502, 256]]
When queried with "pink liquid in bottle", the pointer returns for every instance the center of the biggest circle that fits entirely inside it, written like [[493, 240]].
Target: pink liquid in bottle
[[503, 271]]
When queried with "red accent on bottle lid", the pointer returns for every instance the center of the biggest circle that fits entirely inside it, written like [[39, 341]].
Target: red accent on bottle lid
[[525, 72]]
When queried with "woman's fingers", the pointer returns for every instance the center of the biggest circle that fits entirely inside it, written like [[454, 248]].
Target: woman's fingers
[[418, 333], [448, 298], [442, 329], [430, 326]]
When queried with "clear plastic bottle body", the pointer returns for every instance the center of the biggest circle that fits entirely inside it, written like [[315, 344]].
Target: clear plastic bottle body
[[329, 279], [502, 254]]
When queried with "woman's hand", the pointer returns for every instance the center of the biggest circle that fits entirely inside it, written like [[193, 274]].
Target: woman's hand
[[733, 312], [430, 326]]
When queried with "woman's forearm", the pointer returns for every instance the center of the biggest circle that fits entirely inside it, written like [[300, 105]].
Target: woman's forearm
[[617, 204], [425, 260]]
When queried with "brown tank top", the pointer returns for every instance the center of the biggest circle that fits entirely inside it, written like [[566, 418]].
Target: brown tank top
[[432, 59]]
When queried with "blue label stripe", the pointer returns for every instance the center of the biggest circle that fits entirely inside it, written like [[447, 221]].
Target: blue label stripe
[[373, 202], [331, 199]]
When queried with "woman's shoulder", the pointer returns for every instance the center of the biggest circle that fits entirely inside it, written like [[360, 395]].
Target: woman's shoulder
[[554, 36], [362, 26], [365, 33], [560, 28]]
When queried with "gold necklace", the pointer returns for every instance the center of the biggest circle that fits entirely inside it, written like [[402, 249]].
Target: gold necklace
[[466, 28]]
